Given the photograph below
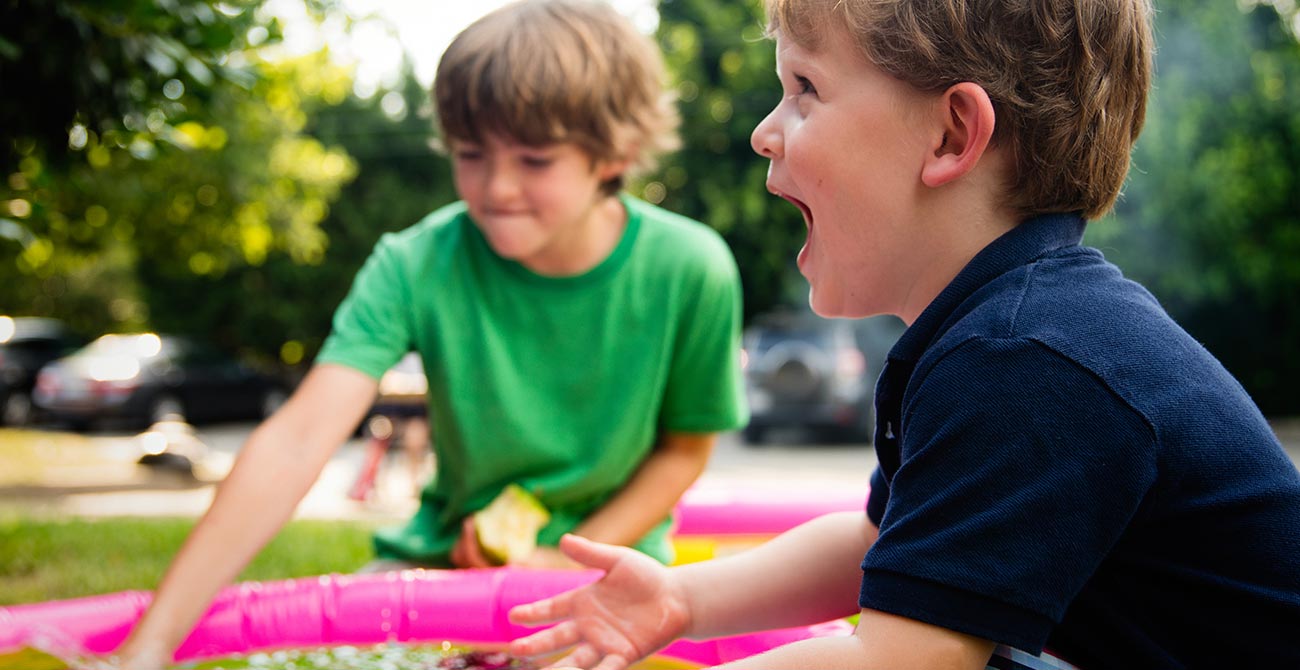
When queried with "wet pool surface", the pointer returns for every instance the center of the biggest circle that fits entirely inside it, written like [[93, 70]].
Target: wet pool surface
[[379, 657], [445, 656], [396, 657]]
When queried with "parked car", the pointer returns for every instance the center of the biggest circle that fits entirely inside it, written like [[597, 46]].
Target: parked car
[[27, 343], [145, 378], [807, 372]]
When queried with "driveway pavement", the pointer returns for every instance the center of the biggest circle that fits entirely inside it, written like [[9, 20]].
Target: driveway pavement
[[87, 475], [61, 473]]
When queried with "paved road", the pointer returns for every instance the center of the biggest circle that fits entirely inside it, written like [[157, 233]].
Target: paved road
[[777, 464], [782, 464]]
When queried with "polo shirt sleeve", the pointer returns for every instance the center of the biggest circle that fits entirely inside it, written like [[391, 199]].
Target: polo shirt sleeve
[[372, 327], [1019, 471]]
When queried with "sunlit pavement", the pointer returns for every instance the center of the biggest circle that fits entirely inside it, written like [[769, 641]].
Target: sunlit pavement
[[60, 473]]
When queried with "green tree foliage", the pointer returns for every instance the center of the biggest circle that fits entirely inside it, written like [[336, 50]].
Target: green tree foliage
[[113, 66], [725, 77], [235, 226], [159, 207], [156, 170], [400, 178], [1210, 220]]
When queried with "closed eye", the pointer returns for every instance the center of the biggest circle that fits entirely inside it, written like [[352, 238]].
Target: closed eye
[[805, 87]]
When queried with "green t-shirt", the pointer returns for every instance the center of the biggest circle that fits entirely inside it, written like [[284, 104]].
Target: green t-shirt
[[560, 385]]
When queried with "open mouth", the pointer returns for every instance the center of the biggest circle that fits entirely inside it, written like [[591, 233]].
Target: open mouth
[[805, 254], [803, 209]]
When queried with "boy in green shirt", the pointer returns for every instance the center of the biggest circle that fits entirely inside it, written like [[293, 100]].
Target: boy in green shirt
[[578, 342]]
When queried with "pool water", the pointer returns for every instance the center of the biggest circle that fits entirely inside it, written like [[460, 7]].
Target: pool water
[[445, 656], [378, 657]]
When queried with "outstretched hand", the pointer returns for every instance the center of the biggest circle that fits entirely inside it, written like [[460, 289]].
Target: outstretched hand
[[634, 610]]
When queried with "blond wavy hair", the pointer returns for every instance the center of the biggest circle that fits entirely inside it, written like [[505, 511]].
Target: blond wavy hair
[[546, 71], [1068, 78]]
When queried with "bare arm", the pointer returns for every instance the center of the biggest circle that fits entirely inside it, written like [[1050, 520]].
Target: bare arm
[[807, 575], [651, 493], [274, 470], [881, 642]]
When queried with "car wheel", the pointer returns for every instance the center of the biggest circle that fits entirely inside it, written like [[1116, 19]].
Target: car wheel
[[273, 400], [17, 409], [166, 407]]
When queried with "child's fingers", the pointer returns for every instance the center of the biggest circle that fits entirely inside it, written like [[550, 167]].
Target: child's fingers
[[561, 636], [457, 556], [588, 553], [471, 553], [542, 611], [582, 656], [612, 662]]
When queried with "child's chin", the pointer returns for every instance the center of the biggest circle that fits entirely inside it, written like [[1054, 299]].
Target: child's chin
[[507, 250], [820, 306]]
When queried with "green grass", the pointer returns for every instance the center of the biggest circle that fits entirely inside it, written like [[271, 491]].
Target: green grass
[[44, 558]]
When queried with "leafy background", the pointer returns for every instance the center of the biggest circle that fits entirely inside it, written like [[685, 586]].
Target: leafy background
[[163, 168]]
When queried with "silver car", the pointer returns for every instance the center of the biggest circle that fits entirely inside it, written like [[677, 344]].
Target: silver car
[[815, 374]]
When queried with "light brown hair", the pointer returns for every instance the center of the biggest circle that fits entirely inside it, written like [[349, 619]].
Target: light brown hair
[[546, 71], [1068, 78]]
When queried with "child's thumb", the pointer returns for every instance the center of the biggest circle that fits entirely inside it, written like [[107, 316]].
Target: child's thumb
[[589, 553]]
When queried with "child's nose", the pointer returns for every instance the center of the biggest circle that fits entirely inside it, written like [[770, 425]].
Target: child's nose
[[501, 183], [766, 138]]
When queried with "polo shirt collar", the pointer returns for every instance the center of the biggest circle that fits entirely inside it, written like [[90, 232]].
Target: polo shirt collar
[[1033, 238]]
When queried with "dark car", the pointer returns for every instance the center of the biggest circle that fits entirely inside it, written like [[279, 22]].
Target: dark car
[[144, 378], [807, 372], [27, 343]]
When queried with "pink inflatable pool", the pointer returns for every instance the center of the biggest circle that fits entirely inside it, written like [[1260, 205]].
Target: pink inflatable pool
[[415, 606], [715, 520], [713, 509]]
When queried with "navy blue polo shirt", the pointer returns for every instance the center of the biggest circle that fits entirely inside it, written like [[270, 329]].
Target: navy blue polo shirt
[[1061, 466]]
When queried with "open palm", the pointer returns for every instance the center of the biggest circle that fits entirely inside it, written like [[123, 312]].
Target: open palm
[[634, 610]]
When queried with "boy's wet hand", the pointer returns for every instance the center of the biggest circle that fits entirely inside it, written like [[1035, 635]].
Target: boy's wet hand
[[633, 611], [466, 553]]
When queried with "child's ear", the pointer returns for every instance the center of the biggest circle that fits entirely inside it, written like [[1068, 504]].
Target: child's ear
[[612, 169], [966, 119]]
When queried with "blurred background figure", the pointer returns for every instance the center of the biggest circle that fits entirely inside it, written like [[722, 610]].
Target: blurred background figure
[[172, 444], [399, 416]]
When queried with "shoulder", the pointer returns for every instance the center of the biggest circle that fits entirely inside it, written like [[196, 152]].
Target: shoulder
[[663, 227], [679, 244], [1072, 302], [436, 236], [1075, 309], [442, 223]]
